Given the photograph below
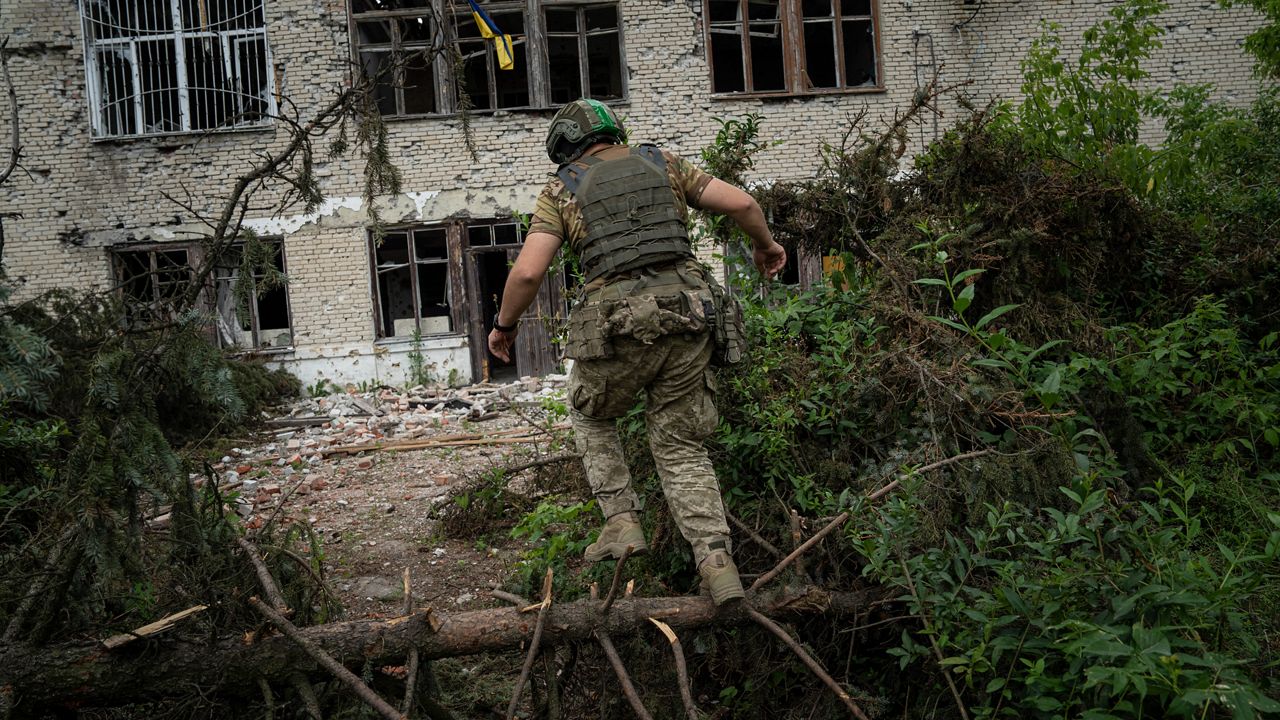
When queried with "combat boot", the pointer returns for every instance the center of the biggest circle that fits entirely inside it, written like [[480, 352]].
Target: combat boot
[[619, 531], [720, 578]]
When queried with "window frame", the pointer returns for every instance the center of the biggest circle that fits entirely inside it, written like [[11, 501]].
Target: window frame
[[582, 34], [255, 313], [792, 21], [230, 44], [148, 311], [534, 41], [208, 302], [453, 280]]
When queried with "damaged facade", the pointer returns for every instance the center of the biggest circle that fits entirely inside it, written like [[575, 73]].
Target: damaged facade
[[138, 115]]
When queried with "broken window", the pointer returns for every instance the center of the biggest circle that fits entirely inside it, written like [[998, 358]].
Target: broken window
[[250, 304], [487, 85], [396, 49], [414, 282], [583, 52], [792, 46], [399, 44], [166, 66], [494, 234], [250, 296], [150, 280]]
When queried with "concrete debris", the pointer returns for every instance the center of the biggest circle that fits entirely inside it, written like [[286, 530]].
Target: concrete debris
[[385, 589], [314, 443]]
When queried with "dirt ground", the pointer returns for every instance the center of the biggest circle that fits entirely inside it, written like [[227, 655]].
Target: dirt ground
[[379, 511]]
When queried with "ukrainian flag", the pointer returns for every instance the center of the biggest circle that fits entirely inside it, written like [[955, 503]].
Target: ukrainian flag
[[489, 30]]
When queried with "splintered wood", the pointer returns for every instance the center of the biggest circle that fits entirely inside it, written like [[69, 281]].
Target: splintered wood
[[148, 630]]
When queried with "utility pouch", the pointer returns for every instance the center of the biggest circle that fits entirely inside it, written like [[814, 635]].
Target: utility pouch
[[727, 327], [584, 339]]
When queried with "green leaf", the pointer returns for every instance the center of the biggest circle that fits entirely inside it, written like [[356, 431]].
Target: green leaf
[[965, 275], [930, 281], [1042, 348], [995, 314], [992, 363], [963, 299], [950, 323], [1053, 382]]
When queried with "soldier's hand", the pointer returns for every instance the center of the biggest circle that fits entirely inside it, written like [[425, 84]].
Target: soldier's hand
[[770, 259], [500, 343]]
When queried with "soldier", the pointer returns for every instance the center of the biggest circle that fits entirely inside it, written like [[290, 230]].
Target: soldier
[[643, 322]]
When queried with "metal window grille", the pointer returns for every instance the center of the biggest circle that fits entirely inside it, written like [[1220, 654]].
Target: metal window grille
[[171, 66]]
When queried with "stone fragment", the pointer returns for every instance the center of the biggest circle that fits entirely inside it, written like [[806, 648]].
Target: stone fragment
[[384, 589]]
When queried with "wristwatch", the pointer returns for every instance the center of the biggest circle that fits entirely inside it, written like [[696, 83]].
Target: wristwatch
[[503, 328]]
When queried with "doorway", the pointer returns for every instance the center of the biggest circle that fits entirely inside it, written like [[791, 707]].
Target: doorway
[[491, 277], [491, 248]]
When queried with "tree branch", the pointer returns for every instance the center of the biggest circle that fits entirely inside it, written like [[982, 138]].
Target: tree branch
[[344, 675], [809, 662], [623, 678], [533, 646], [15, 150], [682, 671], [617, 576]]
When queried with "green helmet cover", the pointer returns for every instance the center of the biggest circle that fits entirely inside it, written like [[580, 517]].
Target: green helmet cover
[[578, 125]]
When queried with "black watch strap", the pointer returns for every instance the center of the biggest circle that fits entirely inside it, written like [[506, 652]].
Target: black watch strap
[[500, 327]]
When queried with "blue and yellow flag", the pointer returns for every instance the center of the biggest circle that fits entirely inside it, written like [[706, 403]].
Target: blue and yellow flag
[[489, 31]]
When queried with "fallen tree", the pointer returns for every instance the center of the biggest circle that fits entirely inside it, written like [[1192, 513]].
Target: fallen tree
[[88, 674]]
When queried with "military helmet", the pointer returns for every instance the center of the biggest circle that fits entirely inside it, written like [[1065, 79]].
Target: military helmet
[[580, 124]]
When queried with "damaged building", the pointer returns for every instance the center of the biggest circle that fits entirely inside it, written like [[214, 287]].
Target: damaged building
[[137, 116]]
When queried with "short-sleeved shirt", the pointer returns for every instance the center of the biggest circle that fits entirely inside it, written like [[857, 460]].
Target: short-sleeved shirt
[[558, 214]]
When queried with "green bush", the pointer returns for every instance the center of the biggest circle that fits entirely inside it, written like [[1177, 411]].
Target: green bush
[[1108, 610]]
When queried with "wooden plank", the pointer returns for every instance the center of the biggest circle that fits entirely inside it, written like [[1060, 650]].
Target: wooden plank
[[500, 437], [476, 320], [298, 422]]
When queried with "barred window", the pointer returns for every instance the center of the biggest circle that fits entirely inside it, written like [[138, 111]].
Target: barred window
[[172, 66]]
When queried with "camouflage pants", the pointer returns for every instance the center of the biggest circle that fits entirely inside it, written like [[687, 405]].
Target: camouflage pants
[[681, 413]]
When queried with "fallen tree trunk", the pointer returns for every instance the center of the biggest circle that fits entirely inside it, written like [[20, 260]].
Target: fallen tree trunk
[[90, 675]]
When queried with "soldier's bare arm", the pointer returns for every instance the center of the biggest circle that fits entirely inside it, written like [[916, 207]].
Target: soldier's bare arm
[[721, 197], [523, 282]]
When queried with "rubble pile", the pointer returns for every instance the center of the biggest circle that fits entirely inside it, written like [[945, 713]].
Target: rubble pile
[[313, 437]]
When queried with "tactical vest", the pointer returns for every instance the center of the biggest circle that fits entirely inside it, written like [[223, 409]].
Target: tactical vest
[[630, 213]]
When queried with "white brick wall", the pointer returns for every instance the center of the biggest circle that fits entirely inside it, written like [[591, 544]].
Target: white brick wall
[[77, 197]]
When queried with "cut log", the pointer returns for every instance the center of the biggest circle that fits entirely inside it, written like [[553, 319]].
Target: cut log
[[88, 675]]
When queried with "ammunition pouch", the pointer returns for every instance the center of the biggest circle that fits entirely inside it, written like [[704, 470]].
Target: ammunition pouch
[[727, 326], [594, 323], [583, 337]]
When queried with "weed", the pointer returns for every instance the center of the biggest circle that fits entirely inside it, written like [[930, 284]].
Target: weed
[[556, 532], [320, 388], [419, 370]]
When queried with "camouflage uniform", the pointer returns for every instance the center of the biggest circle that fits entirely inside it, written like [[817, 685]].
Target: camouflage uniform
[[650, 335]]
